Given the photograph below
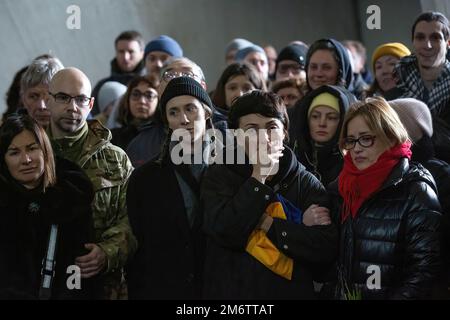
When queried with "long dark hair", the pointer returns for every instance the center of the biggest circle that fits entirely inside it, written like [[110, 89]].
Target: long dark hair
[[12, 97], [16, 124], [124, 116], [233, 70]]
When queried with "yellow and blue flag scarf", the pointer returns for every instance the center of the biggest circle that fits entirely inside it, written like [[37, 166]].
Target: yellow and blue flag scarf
[[261, 248]]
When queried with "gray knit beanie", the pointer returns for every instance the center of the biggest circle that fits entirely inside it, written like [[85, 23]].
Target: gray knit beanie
[[109, 92], [415, 116]]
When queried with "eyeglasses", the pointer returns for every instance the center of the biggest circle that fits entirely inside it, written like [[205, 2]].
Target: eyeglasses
[[365, 141], [81, 100], [136, 95], [295, 69], [171, 74]]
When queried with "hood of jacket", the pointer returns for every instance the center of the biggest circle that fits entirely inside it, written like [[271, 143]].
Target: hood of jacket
[[299, 134], [344, 65]]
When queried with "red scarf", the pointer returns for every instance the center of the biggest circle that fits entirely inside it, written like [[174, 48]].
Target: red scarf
[[355, 186]]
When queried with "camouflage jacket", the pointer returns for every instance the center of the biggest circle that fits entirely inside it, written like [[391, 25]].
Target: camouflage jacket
[[109, 168]]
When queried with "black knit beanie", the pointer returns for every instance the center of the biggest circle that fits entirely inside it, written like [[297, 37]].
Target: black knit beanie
[[294, 52], [184, 86]]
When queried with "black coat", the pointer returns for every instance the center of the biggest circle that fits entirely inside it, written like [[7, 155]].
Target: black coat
[[169, 259], [326, 161], [26, 217], [398, 230], [122, 136], [441, 137], [233, 203], [147, 144], [423, 152]]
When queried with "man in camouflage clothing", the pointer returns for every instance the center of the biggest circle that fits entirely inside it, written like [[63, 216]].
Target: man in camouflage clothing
[[108, 167]]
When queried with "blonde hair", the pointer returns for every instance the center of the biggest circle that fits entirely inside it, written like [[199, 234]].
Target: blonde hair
[[380, 117]]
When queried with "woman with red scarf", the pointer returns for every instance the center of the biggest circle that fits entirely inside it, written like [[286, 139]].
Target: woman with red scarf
[[389, 213]]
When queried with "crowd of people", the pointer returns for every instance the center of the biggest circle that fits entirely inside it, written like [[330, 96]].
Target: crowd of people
[[336, 183]]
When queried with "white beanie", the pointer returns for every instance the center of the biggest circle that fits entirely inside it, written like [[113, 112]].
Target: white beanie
[[109, 92]]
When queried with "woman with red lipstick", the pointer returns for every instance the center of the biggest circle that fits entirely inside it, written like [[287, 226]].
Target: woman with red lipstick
[[316, 133], [384, 59], [37, 199], [389, 214]]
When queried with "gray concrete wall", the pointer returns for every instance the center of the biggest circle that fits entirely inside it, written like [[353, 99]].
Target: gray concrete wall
[[397, 18], [203, 27]]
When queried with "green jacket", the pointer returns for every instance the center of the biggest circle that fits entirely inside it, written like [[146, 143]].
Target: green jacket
[[109, 168]]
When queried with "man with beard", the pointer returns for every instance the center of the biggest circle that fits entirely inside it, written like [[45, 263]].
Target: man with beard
[[107, 166]]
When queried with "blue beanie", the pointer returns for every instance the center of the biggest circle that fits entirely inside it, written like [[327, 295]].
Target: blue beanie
[[242, 53], [237, 44], [165, 44]]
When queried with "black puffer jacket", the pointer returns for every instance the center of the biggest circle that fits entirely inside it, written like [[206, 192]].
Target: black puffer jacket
[[26, 217], [324, 161], [397, 230], [233, 204]]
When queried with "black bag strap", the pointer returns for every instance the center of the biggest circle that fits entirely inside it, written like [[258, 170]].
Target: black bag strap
[[48, 265]]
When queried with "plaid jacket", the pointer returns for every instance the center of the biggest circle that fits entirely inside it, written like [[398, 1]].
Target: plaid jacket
[[411, 85]]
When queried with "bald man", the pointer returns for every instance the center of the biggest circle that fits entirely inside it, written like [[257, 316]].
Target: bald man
[[108, 167]]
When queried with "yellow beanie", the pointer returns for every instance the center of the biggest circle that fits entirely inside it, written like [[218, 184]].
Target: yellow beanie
[[395, 49], [325, 99]]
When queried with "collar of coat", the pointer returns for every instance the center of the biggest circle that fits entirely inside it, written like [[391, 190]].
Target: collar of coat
[[115, 70], [93, 141], [403, 172], [299, 131]]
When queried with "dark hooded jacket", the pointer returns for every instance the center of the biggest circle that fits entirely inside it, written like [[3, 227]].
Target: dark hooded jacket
[[344, 65], [233, 204], [324, 161]]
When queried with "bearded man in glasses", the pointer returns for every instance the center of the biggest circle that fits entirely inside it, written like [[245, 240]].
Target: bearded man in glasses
[[107, 166]]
